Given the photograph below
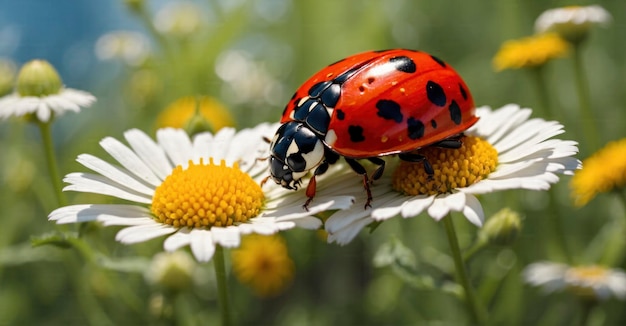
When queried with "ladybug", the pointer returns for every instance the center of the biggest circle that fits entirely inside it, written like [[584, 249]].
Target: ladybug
[[369, 105]]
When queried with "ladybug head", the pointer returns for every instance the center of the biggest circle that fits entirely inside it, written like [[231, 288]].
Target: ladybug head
[[294, 151]]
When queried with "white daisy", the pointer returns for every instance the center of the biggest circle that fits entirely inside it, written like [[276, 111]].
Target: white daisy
[[503, 150], [202, 192], [40, 92], [590, 281], [572, 22]]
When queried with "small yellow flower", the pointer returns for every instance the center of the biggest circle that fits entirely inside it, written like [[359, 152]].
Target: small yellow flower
[[182, 113], [533, 51], [262, 262], [604, 171]]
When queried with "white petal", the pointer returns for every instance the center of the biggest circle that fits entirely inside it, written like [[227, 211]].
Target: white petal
[[177, 146], [227, 237], [473, 210], [142, 233], [438, 209], [309, 223], [177, 240], [114, 173], [348, 233], [219, 145], [93, 183], [202, 245], [320, 204], [390, 209], [416, 206], [149, 152], [343, 219], [129, 160], [456, 201]]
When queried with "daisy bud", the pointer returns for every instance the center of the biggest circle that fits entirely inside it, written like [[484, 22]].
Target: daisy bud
[[173, 271], [502, 228], [38, 78]]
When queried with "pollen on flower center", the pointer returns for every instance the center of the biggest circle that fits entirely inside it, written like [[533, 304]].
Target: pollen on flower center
[[582, 279], [203, 196], [454, 168]]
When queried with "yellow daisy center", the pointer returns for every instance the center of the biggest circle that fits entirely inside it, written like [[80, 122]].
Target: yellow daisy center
[[203, 196], [263, 263], [581, 279], [454, 168], [602, 172]]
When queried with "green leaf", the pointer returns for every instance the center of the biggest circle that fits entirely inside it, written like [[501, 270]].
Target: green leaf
[[59, 240]]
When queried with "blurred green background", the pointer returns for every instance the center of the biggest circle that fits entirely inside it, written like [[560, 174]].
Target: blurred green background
[[252, 55]]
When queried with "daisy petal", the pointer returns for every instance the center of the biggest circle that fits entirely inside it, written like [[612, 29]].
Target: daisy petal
[[142, 233], [202, 245]]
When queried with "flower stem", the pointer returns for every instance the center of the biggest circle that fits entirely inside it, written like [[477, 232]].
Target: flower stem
[[222, 287], [53, 169], [586, 114], [476, 311], [542, 92]]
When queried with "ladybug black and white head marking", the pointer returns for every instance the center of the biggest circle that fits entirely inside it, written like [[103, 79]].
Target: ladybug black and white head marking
[[294, 151]]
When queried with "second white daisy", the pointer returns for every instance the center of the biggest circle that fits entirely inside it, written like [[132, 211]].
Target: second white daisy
[[202, 192], [503, 150]]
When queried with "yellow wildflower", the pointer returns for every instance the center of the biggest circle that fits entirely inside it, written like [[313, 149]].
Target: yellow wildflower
[[533, 51]]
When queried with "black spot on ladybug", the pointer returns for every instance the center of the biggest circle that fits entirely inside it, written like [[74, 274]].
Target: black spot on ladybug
[[455, 112], [404, 64], [463, 91], [439, 61], [285, 110], [389, 110], [433, 123], [339, 114], [356, 134], [294, 95], [330, 96], [415, 128], [435, 93], [381, 51]]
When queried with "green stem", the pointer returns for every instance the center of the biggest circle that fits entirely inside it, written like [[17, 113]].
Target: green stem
[[588, 306], [222, 286], [556, 224], [53, 169], [476, 311], [587, 119], [542, 92], [479, 245]]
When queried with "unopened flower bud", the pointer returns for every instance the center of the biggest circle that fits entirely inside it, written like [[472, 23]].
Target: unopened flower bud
[[502, 228], [38, 78], [172, 271]]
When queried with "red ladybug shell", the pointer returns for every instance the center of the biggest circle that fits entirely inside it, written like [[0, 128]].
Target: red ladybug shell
[[391, 101]]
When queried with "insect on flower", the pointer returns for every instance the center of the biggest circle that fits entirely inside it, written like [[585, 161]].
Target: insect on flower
[[367, 106]]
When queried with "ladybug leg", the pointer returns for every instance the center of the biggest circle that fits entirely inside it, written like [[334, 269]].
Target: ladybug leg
[[419, 158], [381, 167], [359, 169], [449, 143], [312, 186]]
